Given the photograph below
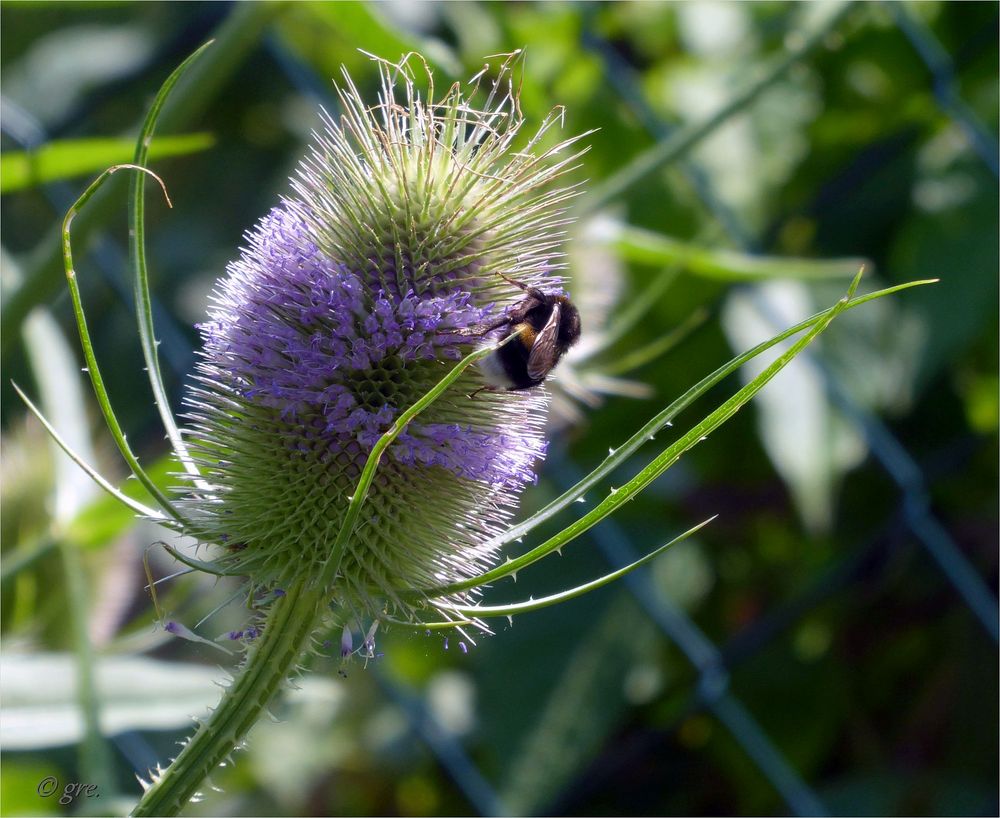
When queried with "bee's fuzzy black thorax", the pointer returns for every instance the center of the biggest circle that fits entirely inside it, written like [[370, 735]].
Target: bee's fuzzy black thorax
[[548, 325]]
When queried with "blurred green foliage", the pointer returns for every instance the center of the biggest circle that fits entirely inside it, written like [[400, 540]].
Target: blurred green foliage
[[55, 161], [841, 635]]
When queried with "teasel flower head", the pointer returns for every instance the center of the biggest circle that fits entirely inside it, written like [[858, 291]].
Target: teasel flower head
[[350, 300], [331, 451]]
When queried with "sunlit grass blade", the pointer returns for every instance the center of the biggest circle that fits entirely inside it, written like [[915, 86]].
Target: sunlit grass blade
[[664, 460], [640, 356], [395, 430], [68, 158], [88, 348], [135, 505], [511, 609], [647, 247], [663, 419], [140, 276]]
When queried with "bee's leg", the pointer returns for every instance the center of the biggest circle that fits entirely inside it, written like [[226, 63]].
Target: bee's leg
[[534, 292], [479, 330], [514, 281]]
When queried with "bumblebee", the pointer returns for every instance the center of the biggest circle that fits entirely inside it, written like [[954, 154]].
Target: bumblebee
[[547, 326]]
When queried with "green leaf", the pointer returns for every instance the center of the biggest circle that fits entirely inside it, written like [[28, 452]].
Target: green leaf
[[137, 256], [363, 23], [648, 247], [509, 609], [66, 159]]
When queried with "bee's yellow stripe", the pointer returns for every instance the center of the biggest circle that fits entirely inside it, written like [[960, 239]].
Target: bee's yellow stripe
[[527, 336]]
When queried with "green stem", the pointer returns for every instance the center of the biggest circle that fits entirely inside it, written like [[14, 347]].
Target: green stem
[[24, 557], [682, 140], [94, 753], [285, 636], [140, 275], [271, 659], [96, 379]]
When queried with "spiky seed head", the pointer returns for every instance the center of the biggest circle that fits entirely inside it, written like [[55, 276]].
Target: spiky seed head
[[347, 304]]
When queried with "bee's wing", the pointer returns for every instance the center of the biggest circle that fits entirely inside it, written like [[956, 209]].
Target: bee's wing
[[543, 352]]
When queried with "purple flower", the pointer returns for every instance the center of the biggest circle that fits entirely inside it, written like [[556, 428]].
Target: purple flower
[[351, 299]]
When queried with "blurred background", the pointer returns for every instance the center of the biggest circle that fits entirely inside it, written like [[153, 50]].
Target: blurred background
[[829, 644]]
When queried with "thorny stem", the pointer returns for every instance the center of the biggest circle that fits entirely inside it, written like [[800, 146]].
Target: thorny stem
[[96, 379], [270, 661], [285, 637]]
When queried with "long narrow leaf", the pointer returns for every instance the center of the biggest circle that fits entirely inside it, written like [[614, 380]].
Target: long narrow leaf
[[663, 461], [647, 247], [68, 158], [88, 348], [200, 565], [619, 455], [446, 625], [135, 505], [513, 608], [140, 277]]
